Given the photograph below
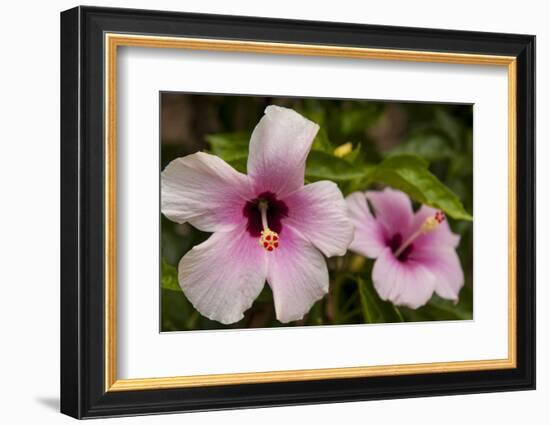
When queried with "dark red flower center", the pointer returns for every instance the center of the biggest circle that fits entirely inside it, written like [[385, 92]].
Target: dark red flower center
[[395, 242], [276, 212]]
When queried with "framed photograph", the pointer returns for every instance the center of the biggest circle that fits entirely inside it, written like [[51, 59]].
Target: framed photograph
[[261, 212]]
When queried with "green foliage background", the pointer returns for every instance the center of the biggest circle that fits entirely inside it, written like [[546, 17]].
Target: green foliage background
[[424, 150]]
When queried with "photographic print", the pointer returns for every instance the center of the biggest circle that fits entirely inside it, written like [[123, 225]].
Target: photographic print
[[306, 211]]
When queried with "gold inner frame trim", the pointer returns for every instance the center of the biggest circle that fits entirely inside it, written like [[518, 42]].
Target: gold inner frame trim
[[113, 41]]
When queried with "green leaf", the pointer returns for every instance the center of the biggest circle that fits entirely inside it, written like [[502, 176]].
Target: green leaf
[[239, 164], [354, 154], [229, 146], [321, 163], [431, 147], [169, 277], [324, 166], [322, 142], [177, 312], [461, 165], [374, 309], [440, 309], [410, 174], [445, 308]]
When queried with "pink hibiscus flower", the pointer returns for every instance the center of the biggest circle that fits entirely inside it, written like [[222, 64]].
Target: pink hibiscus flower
[[266, 225], [415, 252]]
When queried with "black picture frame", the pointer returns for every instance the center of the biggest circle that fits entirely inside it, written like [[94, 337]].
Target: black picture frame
[[83, 392]]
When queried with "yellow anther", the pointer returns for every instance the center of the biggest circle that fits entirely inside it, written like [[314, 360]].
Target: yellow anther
[[269, 240], [343, 150], [429, 224]]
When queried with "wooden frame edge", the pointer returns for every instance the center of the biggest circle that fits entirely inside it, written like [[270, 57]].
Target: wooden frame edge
[[113, 40], [137, 384]]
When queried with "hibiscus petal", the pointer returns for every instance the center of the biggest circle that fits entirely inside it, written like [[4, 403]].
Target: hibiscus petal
[[393, 209], [279, 147], [410, 284], [224, 275], [445, 265], [205, 191], [298, 276], [370, 238], [442, 236], [318, 211]]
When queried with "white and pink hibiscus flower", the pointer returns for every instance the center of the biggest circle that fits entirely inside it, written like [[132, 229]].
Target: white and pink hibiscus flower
[[266, 225], [414, 251]]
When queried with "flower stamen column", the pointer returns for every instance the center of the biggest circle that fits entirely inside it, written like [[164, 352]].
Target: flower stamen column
[[429, 225], [269, 240]]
